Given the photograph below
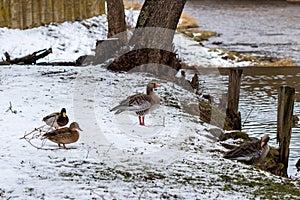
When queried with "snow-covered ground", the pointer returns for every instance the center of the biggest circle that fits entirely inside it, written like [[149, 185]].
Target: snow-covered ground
[[115, 157], [72, 40], [174, 156]]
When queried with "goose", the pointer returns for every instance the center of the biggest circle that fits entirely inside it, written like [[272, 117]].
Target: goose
[[64, 135], [250, 152], [57, 119], [141, 104]]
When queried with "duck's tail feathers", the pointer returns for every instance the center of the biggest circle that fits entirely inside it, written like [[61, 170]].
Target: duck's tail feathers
[[118, 109]]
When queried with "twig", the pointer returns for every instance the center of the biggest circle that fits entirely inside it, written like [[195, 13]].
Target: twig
[[140, 196], [53, 72], [10, 109], [93, 192], [248, 116], [34, 130], [37, 133], [51, 149], [88, 152], [104, 154]]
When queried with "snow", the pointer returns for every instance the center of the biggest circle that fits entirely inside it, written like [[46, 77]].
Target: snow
[[115, 158], [70, 40], [67, 40]]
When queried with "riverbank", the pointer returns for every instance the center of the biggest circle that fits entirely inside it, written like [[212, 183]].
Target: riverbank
[[174, 156]]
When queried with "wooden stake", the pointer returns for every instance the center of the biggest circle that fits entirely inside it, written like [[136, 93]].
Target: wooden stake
[[286, 96], [233, 117]]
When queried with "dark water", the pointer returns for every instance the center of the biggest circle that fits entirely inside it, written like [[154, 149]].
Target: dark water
[[264, 28], [258, 101]]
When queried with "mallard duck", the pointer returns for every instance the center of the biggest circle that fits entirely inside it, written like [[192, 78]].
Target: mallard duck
[[57, 119], [64, 135], [250, 152], [141, 104]]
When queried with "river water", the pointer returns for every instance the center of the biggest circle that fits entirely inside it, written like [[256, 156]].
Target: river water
[[259, 27], [262, 28], [258, 101]]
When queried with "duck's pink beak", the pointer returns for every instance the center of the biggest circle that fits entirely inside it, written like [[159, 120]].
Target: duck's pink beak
[[156, 85], [262, 144]]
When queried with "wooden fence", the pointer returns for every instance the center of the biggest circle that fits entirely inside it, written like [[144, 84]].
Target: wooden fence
[[31, 13]]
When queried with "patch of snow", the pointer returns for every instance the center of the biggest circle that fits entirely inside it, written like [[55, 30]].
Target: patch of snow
[[68, 40]]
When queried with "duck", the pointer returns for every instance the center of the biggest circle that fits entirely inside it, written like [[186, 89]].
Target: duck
[[66, 135], [252, 152], [195, 83], [140, 103], [298, 165], [57, 119]]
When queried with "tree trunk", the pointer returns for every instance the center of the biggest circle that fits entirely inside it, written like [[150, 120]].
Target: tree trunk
[[152, 38], [115, 17], [106, 49]]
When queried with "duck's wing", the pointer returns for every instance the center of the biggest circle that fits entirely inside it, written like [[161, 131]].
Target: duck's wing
[[60, 133], [248, 152], [136, 103], [51, 116]]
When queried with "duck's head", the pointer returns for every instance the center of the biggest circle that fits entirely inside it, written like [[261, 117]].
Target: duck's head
[[63, 112], [264, 140], [151, 86], [74, 126]]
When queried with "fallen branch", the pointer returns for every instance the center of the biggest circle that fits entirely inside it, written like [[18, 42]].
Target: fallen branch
[[33, 131], [25, 60], [41, 147]]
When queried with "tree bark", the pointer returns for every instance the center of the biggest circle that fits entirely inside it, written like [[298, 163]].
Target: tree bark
[[152, 38], [106, 49], [115, 18]]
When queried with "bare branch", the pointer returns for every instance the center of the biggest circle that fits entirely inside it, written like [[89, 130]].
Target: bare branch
[[10, 108]]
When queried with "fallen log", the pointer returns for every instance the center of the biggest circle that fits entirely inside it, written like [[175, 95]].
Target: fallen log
[[26, 60]]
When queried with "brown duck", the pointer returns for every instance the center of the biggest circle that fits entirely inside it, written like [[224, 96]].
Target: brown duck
[[57, 119], [250, 152], [141, 104], [64, 135]]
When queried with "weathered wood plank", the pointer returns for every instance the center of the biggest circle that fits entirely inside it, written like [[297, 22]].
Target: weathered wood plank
[[36, 15], [15, 14], [5, 13], [27, 14], [31, 13], [58, 10], [76, 6], [49, 11]]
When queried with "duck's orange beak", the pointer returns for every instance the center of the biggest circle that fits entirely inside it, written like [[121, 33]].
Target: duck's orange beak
[[262, 144], [156, 85]]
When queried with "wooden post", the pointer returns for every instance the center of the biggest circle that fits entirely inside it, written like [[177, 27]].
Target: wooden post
[[233, 116], [286, 96]]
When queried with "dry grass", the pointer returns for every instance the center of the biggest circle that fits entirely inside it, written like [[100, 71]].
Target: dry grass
[[187, 22], [276, 63], [197, 35], [132, 5]]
